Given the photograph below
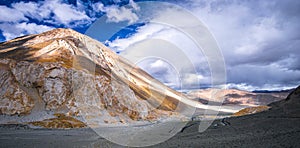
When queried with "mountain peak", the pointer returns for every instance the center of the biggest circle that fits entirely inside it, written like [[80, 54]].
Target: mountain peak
[[62, 71]]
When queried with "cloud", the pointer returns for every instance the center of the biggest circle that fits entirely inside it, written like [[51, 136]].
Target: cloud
[[260, 43], [65, 14], [30, 9], [117, 14], [269, 87], [14, 20], [193, 80], [183, 53], [11, 15], [260, 46], [58, 13], [144, 32], [54, 11], [12, 31], [97, 7], [261, 75], [253, 35], [32, 28], [158, 63], [162, 71]]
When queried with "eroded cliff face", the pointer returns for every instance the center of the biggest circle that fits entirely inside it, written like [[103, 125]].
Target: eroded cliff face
[[14, 100], [57, 85], [62, 71]]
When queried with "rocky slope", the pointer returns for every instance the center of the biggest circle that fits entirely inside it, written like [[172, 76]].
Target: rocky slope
[[276, 127], [64, 72], [289, 107]]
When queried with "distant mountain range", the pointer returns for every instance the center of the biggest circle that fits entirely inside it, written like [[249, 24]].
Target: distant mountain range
[[237, 97], [273, 91]]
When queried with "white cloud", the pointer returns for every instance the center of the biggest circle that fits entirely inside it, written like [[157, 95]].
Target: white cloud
[[33, 28], [162, 71], [11, 15], [30, 9], [12, 31], [158, 63], [59, 13], [133, 5], [194, 80], [65, 14], [117, 14], [269, 87], [99, 7], [144, 32]]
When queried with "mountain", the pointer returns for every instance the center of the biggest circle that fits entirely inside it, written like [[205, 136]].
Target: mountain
[[48, 76], [237, 97]]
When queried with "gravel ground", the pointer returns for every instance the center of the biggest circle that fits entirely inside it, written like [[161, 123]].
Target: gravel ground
[[248, 131]]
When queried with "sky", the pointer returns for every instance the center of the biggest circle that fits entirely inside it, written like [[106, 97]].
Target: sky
[[259, 40]]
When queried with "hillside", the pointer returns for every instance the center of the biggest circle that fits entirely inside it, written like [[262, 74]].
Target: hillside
[[64, 72]]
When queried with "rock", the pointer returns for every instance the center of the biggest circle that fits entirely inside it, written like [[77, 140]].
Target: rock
[[13, 99]]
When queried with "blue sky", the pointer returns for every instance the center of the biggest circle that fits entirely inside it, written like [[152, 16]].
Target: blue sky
[[259, 40]]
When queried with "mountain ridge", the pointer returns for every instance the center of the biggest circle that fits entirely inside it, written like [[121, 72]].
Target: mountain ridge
[[238, 97]]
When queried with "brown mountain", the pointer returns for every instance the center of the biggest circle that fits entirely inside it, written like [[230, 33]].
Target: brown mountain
[[237, 97], [64, 72]]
